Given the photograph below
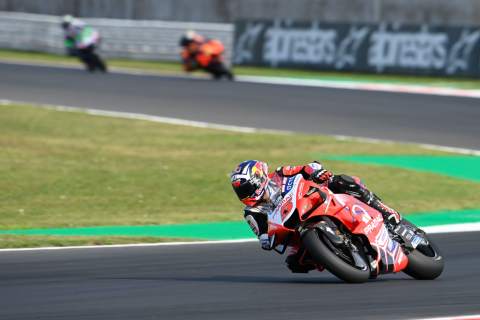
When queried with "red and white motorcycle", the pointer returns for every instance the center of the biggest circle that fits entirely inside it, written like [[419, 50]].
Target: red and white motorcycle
[[347, 237]]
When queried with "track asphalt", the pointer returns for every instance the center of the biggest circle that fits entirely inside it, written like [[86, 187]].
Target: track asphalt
[[222, 281], [449, 121], [236, 281]]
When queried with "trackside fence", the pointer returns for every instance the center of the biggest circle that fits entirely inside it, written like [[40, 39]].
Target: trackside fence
[[134, 39]]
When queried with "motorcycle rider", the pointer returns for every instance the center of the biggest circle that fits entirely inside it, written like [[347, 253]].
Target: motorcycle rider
[[199, 52], [261, 192], [81, 41]]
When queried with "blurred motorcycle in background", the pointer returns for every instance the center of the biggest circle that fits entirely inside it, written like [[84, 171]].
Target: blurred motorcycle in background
[[81, 41], [199, 53]]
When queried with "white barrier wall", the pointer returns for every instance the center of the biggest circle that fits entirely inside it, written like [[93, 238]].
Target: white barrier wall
[[432, 12], [135, 39]]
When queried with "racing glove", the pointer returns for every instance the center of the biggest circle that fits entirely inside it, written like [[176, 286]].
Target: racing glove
[[321, 176], [265, 241]]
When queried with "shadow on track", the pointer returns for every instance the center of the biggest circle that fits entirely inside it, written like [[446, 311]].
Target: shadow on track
[[256, 279]]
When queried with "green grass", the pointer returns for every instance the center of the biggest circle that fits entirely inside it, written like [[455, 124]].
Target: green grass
[[172, 67], [69, 169], [14, 241]]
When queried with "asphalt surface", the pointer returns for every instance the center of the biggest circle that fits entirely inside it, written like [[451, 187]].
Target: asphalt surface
[[235, 281], [449, 121], [223, 281]]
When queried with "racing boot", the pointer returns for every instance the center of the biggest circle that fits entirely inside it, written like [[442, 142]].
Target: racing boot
[[298, 261], [402, 231], [393, 222], [391, 217]]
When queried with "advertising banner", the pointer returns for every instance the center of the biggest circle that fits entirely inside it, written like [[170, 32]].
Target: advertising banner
[[383, 48]]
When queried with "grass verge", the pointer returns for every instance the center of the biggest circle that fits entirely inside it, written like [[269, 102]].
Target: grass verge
[[16, 241], [175, 68], [70, 169]]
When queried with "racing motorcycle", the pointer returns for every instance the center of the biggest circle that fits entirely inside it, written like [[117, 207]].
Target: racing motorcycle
[[208, 56], [347, 237], [84, 45]]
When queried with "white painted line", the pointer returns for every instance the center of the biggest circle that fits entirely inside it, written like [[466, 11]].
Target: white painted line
[[467, 317], [133, 245], [318, 83], [465, 151], [145, 117], [208, 125], [451, 149], [451, 228]]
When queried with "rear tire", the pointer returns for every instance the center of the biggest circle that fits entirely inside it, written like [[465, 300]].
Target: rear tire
[[321, 254]]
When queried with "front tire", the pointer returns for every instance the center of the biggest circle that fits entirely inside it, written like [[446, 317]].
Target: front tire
[[425, 262], [321, 254]]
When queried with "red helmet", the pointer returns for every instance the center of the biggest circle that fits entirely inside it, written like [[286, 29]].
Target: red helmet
[[249, 181]]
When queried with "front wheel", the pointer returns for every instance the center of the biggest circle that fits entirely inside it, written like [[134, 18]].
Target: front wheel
[[321, 251], [425, 262], [218, 70]]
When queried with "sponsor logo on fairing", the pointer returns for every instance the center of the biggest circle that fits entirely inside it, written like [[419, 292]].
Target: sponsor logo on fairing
[[373, 224], [289, 184], [360, 211], [286, 207], [392, 246], [382, 237]]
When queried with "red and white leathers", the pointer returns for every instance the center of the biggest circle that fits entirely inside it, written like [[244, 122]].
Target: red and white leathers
[[257, 215]]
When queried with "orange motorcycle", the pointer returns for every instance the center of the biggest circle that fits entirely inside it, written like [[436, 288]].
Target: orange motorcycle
[[204, 54]]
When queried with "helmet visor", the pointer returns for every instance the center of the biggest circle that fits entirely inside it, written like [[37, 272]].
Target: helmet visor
[[246, 190]]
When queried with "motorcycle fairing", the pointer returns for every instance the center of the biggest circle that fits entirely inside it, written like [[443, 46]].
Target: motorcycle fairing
[[87, 37], [356, 216], [362, 219], [288, 205], [278, 233]]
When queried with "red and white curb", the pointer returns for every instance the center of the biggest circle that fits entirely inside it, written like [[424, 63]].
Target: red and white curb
[[365, 86]]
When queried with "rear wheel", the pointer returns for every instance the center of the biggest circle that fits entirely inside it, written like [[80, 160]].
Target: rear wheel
[[339, 262]]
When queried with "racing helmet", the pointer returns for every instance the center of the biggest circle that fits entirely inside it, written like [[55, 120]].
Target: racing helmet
[[191, 37], [66, 21], [249, 181], [187, 38]]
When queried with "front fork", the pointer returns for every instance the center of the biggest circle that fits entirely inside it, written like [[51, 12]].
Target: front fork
[[339, 242], [409, 236]]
